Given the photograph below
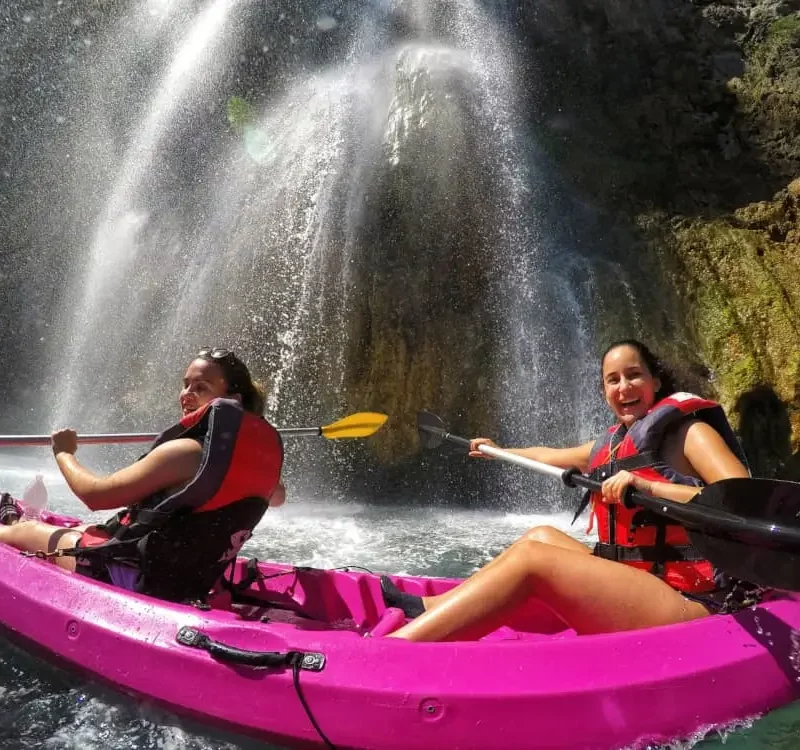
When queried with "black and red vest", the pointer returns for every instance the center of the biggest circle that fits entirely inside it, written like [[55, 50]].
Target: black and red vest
[[181, 542], [634, 535]]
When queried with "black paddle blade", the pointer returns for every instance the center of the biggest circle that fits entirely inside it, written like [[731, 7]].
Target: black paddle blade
[[765, 562], [432, 430]]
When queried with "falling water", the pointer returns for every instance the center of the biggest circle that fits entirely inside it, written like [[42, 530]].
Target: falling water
[[267, 230]]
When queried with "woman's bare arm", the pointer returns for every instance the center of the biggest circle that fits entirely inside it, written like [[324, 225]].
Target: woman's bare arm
[[710, 455], [278, 496], [168, 465], [707, 456]]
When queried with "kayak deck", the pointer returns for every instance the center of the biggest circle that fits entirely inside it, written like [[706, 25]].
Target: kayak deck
[[535, 686], [316, 599]]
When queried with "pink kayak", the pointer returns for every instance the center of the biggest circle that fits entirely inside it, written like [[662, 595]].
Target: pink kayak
[[286, 658]]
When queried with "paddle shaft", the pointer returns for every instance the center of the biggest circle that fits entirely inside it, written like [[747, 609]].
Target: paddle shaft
[[130, 437], [689, 515]]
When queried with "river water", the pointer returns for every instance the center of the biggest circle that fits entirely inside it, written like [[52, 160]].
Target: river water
[[46, 707]]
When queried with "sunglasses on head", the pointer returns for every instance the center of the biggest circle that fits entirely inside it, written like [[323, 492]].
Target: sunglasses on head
[[217, 354]]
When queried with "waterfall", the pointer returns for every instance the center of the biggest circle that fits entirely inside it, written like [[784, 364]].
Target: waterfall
[[293, 180]]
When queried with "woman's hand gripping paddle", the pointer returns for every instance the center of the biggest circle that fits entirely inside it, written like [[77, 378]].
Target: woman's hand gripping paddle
[[749, 528]]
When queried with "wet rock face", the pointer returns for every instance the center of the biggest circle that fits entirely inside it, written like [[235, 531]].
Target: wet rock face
[[669, 104], [740, 278], [682, 120]]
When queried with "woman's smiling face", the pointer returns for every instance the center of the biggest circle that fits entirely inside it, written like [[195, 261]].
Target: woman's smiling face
[[629, 386]]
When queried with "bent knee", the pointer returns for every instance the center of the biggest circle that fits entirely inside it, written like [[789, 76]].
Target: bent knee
[[545, 534], [527, 548]]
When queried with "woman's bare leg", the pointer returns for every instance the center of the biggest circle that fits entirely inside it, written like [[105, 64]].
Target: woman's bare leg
[[551, 535], [590, 594], [543, 534], [34, 536]]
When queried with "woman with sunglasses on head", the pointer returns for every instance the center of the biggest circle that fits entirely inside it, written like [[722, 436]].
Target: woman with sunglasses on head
[[189, 503], [644, 571]]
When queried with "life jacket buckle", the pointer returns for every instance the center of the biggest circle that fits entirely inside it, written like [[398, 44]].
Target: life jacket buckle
[[39, 554]]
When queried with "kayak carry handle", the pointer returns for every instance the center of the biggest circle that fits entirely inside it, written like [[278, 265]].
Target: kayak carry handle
[[311, 661]]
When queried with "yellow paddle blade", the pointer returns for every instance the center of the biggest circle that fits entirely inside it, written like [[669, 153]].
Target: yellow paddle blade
[[362, 424]]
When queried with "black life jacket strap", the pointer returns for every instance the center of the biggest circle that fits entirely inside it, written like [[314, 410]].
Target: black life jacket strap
[[660, 548], [251, 575], [631, 463], [151, 517], [599, 473], [112, 526], [123, 551], [663, 554]]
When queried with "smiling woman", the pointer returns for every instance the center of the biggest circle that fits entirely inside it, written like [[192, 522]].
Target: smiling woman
[[193, 499], [633, 379], [644, 571]]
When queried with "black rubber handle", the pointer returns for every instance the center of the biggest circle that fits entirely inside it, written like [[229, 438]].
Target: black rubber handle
[[305, 660]]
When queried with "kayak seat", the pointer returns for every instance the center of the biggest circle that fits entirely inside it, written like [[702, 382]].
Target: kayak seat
[[391, 619]]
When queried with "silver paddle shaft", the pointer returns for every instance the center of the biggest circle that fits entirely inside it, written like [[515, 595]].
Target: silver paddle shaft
[[528, 463], [129, 437]]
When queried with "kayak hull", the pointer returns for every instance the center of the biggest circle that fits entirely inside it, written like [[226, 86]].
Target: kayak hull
[[536, 688]]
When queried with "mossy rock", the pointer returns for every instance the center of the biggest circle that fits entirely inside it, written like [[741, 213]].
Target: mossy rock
[[742, 290], [769, 93], [240, 113]]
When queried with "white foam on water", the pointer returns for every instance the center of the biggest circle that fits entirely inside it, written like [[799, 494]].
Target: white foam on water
[[707, 733], [98, 725], [398, 538]]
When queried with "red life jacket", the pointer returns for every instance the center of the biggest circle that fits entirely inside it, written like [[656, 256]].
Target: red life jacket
[[181, 542], [638, 537]]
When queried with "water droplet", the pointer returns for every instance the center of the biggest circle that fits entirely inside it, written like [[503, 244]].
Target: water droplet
[[794, 651], [327, 23]]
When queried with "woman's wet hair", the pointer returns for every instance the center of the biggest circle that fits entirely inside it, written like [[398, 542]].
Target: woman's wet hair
[[238, 378], [654, 365]]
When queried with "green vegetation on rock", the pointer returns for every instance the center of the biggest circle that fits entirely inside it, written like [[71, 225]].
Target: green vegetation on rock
[[240, 112], [740, 277], [769, 92]]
